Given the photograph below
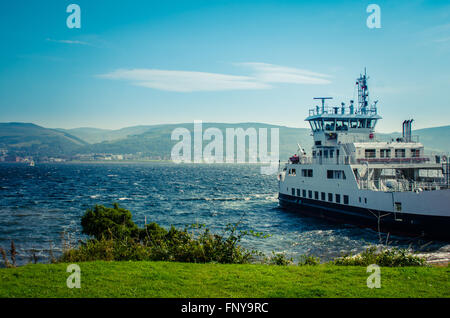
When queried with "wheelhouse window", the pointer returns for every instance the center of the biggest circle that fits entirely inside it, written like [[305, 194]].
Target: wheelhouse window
[[316, 125], [371, 123], [361, 123], [342, 125], [329, 124], [370, 153], [415, 153], [385, 153], [399, 153]]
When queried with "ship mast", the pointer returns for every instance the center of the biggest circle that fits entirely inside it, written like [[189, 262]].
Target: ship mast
[[363, 92]]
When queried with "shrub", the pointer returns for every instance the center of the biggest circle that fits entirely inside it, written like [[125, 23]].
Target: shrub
[[308, 260], [280, 259], [116, 237], [393, 257], [109, 223]]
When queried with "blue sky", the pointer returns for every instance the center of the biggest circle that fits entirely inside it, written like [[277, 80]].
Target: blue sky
[[149, 62]]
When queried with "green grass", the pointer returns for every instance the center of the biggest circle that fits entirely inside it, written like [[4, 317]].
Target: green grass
[[169, 279]]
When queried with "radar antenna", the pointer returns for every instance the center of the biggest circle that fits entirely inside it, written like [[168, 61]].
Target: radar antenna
[[323, 102]]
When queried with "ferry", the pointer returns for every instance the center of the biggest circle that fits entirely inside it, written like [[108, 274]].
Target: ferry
[[392, 186]]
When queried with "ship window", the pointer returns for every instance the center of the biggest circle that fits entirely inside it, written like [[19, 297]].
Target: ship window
[[307, 173], [319, 124], [315, 125], [293, 191], [399, 153], [304, 193], [318, 142], [325, 153], [335, 174], [345, 199], [310, 194], [298, 192], [353, 123], [359, 199], [365, 200], [415, 153], [322, 196], [329, 174], [371, 123], [330, 197], [385, 153], [329, 124], [316, 195], [398, 206], [370, 153], [362, 123], [331, 153], [338, 198], [341, 125]]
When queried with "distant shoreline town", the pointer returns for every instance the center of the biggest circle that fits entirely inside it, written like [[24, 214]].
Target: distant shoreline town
[[27, 142]]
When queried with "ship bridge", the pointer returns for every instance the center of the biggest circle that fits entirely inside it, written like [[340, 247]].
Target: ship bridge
[[344, 124], [333, 125]]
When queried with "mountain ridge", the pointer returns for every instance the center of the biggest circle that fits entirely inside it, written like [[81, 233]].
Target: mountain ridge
[[155, 140]]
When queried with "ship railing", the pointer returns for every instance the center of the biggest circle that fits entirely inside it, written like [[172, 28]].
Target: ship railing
[[400, 185], [339, 110], [321, 160], [346, 160]]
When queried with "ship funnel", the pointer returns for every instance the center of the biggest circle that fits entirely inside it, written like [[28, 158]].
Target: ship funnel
[[407, 130]]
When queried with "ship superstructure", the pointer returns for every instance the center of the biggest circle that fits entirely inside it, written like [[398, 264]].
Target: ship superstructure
[[352, 177]]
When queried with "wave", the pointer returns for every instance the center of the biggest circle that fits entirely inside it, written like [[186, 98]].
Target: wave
[[265, 197]]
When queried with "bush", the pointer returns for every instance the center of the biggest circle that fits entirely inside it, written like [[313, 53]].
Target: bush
[[308, 260], [393, 257], [280, 259], [116, 237], [109, 223]]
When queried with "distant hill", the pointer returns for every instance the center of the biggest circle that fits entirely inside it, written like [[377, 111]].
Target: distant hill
[[155, 141], [97, 135], [436, 138], [34, 140]]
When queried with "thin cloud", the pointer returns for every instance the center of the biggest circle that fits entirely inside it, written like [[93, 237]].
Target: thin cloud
[[68, 41], [270, 73], [184, 81], [437, 34], [442, 40], [261, 77]]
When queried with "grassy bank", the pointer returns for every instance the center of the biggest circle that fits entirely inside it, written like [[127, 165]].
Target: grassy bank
[[171, 279]]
